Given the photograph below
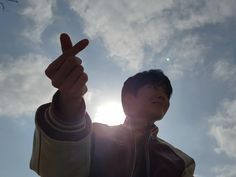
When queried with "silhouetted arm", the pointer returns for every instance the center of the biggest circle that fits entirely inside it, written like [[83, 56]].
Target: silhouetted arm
[[62, 138]]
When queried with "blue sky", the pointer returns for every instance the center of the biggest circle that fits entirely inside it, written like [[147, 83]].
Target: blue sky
[[193, 42]]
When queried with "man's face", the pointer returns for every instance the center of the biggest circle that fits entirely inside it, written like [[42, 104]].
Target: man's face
[[150, 103]]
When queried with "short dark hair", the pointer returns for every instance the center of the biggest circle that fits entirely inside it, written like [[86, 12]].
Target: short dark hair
[[154, 77]]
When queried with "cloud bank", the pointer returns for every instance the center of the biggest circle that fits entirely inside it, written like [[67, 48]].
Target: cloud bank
[[40, 14], [23, 85], [225, 71], [185, 55], [225, 171], [223, 128], [127, 28], [223, 123]]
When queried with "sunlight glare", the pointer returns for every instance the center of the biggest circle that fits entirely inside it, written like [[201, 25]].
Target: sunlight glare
[[110, 113], [168, 59]]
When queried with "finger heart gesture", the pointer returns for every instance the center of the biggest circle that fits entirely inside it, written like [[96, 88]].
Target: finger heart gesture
[[66, 72]]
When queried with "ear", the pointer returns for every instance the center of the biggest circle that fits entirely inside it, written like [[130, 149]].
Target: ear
[[128, 99], [127, 102]]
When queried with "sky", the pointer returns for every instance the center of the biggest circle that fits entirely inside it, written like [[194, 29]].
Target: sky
[[193, 42]]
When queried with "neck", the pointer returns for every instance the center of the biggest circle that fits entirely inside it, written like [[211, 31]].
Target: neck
[[138, 124], [141, 128]]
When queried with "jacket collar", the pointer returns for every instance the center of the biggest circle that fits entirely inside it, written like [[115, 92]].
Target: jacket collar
[[136, 126]]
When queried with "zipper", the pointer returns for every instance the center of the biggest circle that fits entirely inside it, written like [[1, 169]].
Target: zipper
[[134, 158], [147, 155]]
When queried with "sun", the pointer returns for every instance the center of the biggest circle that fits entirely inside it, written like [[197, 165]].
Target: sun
[[110, 113]]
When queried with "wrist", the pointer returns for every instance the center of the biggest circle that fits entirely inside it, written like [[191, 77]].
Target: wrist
[[68, 109]]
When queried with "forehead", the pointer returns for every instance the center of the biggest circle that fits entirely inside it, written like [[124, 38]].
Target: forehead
[[153, 88]]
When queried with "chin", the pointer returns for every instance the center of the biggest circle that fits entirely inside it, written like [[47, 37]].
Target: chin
[[158, 118]]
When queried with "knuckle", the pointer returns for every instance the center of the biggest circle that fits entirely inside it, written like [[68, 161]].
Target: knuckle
[[84, 77], [80, 68], [54, 83], [76, 64], [85, 89], [78, 60], [47, 73], [71, 60], [63, 89]]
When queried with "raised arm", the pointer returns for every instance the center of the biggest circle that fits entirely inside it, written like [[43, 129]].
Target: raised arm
[[67, 74], [62, 137]]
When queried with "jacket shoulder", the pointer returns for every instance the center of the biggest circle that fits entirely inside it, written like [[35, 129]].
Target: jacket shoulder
[[118, 133], [188, 161], [106, 130]]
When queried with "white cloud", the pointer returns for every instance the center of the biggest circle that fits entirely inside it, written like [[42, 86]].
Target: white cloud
[[193, 14], [186, 54], [128, 27], [196, 175], [125, 27], [225, 171], [225, 71], [23, 85], [223, 128], [41, 15], [223, 123]]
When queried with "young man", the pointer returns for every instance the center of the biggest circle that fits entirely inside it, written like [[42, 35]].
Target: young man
[[67, 144]]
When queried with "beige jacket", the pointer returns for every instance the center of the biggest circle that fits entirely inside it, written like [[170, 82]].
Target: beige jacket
[[84, 149]]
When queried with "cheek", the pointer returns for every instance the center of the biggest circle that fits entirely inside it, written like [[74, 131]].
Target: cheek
[[136, 107], [142, 106], [167, 106]]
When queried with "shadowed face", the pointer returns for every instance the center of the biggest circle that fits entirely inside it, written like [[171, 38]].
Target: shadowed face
[[150, 103]]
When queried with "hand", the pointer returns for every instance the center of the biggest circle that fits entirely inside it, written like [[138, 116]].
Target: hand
[[67, 74]]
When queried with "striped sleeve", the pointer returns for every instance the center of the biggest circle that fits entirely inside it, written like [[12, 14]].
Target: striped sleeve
[[60, 148], [51, 121]]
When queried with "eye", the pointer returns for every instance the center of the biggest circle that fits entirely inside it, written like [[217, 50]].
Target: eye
[[162, 98]]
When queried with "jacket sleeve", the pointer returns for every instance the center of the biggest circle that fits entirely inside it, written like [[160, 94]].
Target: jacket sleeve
[[60, 149], [189, 163], [189, 168]]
